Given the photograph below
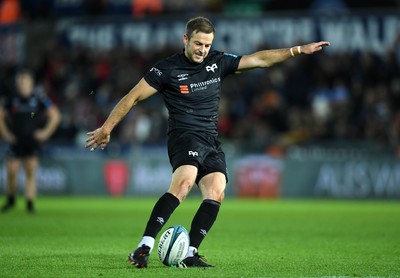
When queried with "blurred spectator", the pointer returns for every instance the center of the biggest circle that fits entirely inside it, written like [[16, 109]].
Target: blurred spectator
[[333, 96], [329, 6], [143, 7], [346, 96], [10, 11], [95, 7], [38, 9]]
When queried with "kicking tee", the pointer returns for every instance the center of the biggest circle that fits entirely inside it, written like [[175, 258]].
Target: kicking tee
[[191, 91]]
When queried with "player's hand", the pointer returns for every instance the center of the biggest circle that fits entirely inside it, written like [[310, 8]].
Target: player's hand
[[10, 138], [97, 138], [41, 135], [313, 47]]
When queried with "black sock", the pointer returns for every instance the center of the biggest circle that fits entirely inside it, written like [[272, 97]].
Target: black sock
[[162, 210], [29, 205], [11, 200], [203, 221]]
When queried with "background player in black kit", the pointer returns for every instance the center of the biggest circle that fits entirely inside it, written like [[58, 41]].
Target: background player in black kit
[[190, 84], [21, 125]]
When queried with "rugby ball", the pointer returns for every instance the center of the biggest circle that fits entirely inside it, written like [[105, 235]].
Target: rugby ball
[[173, 245]]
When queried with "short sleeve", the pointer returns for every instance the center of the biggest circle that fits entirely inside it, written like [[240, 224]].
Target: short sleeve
[[156, 76], [44, 100], [229, 63]]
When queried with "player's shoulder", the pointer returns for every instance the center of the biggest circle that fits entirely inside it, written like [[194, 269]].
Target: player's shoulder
[[165, 65], [217, 55], [169, 62], [38, 92], [214, 54]]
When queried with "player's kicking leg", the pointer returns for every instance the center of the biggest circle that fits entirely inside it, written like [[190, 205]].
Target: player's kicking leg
[[160, 214]]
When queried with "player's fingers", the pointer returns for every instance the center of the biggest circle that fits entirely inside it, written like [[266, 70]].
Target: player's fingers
[[105, 141], [90, 140], [90, 143], [93, 138], [321, 44], [94, 147]]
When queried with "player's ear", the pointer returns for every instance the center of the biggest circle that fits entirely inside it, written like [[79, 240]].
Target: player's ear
[[185, 39]]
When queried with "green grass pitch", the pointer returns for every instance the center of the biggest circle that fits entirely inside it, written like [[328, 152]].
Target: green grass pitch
[[91, 237]]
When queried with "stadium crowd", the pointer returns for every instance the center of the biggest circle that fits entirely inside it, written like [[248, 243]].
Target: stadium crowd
[[352, 96], [327, 97]]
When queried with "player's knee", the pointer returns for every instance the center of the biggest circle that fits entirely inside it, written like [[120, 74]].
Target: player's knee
[[216, 194], [181, 189], [12, 176], [12, 171], [220, 197]]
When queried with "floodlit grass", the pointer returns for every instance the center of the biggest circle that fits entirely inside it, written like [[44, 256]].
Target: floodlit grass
[[91, 237]]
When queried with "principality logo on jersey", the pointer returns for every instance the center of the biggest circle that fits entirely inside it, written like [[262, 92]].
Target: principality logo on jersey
[[157, 71], [212, 68]]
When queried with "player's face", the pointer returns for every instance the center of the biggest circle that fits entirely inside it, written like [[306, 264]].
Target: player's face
[[198, 46], [24, 84]]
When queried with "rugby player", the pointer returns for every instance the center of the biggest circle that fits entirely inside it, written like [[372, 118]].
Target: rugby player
[[27, 119], [190, 84]]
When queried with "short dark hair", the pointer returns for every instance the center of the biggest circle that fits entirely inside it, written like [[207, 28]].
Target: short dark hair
[[23, 71], [199, 24]]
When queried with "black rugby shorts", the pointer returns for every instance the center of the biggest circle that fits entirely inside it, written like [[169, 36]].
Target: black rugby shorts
[[24, 150], [200, 150]]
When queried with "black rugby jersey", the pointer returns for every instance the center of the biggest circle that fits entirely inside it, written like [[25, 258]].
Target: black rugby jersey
[[191, 91], [25, 115]]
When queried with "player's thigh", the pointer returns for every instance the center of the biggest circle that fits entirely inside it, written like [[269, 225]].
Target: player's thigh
[[212, 186], [182, 181], [12, 165]]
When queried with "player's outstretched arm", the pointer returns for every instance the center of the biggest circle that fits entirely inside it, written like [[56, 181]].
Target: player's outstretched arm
[[101, 136], [267, 58]]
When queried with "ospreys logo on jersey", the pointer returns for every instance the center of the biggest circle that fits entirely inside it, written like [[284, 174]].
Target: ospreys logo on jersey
[[212, 68]]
